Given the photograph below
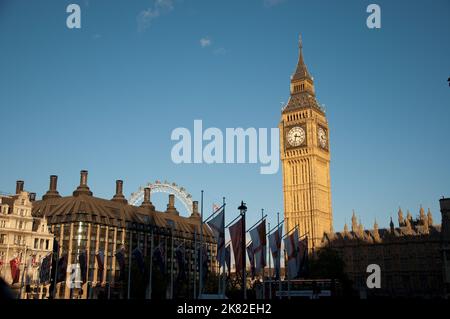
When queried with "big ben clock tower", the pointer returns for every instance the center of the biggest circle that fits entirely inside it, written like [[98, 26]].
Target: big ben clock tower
[[305, 156]]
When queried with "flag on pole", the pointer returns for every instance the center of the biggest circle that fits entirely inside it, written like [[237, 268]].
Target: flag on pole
[[236, 241], [251, 257], [159, 255], [217, 225], [215, 207], [100, 257], [275, 247], [120, 257], [137, 255], [62, 268], [303, 256], [291, 246], [28, 269], [228, 258], [44, 269], [258, 236], [83, 265], [15, 270]]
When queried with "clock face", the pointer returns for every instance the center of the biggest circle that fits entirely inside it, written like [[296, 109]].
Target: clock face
[[296, 136], [322, 135]]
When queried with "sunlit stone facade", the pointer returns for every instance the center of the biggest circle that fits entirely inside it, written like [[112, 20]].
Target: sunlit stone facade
[[411, 256], [24, 242]]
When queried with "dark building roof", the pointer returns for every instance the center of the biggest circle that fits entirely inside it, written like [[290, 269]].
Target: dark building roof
[[302, 100], [83, 206]]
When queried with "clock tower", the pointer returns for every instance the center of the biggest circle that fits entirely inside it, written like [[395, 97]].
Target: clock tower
[[305, 156]]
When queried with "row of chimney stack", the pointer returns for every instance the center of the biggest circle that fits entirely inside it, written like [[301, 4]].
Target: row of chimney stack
[[19, 189], [83, 188]]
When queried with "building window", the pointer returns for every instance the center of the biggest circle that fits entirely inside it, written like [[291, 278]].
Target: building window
[[36, 243], [46, 244], [3, 239], [17, 239]]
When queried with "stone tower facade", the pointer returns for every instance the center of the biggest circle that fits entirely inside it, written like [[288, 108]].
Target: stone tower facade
[[305, 156]]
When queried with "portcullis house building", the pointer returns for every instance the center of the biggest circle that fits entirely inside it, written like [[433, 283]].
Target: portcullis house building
[[111, 241]]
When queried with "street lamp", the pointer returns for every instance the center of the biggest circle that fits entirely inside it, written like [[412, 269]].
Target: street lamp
[[243, 210]]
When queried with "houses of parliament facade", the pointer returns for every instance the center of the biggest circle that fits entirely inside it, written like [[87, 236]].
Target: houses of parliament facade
[[414, 256]]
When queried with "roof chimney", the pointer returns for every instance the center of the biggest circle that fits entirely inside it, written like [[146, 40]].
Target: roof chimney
[[171, 205], [52, 189], [118, 197], [83, 188], [19, 187], [32, 197], [195, 213], [83, 178], [147, 203]]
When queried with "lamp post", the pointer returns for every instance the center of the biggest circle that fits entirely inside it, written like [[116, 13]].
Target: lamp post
[[243, 210]]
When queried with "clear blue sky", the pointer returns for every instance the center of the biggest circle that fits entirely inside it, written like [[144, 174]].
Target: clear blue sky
[[107, 97]]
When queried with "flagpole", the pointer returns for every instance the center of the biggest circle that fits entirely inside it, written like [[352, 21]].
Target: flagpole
[[56, 269], [287, 260], [219, 279], [223, 254], [109, 283], [151, 267], [263, 259], [195, 263], [200, 289], [279, 258], [288, 275], [23, 273], [270, 271], [171, 266], [7, 260], [129, 264], [186, 274]]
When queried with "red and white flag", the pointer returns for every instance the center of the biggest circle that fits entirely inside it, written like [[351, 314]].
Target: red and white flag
[[258, 236], [217, 225], [15, 269], [215, 207], [236, 241], [291, 247], [275, 248]]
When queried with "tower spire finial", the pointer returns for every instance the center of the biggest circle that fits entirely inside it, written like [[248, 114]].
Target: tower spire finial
[[301, 71]]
